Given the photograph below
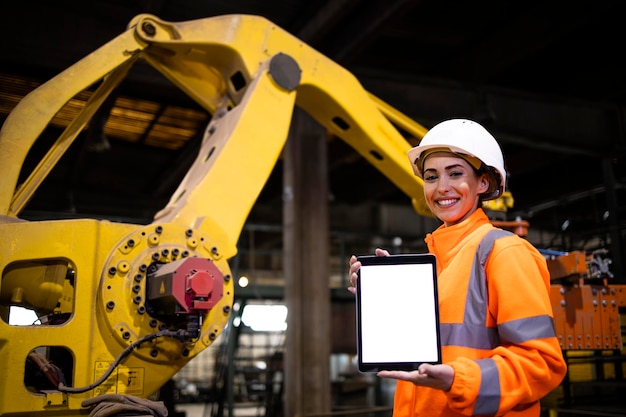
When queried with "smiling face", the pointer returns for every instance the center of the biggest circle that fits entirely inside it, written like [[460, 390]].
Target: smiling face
[[452, 187]]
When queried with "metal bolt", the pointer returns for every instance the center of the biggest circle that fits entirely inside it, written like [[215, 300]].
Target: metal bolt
[[149, 29]]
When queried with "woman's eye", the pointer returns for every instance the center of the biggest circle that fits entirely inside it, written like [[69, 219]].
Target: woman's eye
[[430, 177]]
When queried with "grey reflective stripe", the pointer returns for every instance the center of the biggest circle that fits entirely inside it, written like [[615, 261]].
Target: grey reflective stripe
[[476, 337], [488, 400], [482, 337], [477, 297], [474, 333], [522, 330]]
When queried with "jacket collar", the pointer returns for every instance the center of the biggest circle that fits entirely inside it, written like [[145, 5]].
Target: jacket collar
[[445, 241]]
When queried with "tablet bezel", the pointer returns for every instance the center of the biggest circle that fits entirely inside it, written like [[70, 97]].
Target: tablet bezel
[[392, 313]]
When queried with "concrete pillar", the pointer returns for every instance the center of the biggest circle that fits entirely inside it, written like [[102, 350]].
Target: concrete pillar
[[306, 268]]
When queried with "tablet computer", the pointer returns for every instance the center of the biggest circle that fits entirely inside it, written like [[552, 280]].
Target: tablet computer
[[397, 312]]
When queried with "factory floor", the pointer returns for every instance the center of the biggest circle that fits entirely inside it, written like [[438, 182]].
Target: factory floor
[[204, 410], [199, 410]]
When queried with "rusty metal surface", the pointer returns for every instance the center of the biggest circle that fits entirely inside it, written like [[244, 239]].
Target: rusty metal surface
[[570, 264], [587, 317]]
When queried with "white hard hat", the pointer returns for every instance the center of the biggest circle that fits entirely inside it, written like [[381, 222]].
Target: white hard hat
[[469, 140]]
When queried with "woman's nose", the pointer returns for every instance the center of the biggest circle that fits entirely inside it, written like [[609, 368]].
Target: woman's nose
[[443, 184]]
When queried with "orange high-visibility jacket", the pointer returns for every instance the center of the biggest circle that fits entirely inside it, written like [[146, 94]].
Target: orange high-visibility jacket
[[496, 322]]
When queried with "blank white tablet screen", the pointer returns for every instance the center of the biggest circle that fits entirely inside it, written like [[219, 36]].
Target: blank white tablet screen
[[398, 314]]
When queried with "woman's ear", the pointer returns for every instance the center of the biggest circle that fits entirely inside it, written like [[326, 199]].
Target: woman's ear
[[484, 184]]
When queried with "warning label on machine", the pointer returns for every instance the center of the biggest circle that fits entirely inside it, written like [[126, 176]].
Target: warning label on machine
[[123, 380]]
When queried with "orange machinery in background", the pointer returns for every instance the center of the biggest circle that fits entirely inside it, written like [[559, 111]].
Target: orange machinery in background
[[586, 305]]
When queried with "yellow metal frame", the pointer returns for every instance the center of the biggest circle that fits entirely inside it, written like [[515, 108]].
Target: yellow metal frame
[[205, 215]]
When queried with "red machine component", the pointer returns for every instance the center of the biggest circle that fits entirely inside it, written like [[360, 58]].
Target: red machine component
[[185, 286]]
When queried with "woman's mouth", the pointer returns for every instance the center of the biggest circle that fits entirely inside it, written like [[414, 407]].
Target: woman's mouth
[[447, 202]]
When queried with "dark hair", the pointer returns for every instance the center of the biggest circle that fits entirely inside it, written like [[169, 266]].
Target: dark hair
[[494, 178]]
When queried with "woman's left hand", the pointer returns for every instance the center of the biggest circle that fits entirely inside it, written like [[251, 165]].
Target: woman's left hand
[[427, 375]]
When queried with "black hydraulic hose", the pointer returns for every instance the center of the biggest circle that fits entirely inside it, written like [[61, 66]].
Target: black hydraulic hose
[[179, 334]]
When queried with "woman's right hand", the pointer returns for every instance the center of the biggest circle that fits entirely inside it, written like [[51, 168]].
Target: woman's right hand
[[355, 265]]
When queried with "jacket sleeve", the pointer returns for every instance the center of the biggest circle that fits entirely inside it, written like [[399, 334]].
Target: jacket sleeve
[[528, 363]]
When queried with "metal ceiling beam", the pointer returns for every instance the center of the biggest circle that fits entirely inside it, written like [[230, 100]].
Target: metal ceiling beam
[[319, 25], [351, 36], [531, 31]]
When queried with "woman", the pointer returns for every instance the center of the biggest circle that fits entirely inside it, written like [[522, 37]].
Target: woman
[[499, 349]]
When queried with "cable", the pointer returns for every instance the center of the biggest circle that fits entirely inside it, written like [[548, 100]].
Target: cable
[[179, 334]]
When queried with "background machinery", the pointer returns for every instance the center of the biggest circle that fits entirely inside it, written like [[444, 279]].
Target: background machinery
[[122, 307]]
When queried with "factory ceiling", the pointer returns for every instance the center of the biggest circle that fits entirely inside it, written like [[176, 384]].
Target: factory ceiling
[[546, 78]]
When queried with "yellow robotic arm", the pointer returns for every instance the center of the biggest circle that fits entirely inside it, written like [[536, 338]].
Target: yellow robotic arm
[[123, 307]]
